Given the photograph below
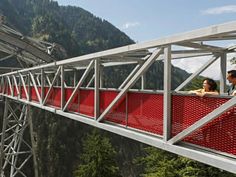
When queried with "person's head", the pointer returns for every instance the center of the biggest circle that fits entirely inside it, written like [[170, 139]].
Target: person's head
[[231, 76], [209, 84]]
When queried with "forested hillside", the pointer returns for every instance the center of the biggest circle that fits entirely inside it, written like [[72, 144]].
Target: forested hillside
[[59, 140], [76, 29]]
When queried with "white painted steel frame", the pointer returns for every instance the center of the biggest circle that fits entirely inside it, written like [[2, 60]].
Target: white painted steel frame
[[198, 35], [132, 81], [15, 121], [223, 66], [95, 60], [52, 84], [86, 72], [167, 95]]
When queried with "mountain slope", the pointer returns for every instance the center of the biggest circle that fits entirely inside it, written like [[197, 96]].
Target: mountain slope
[[76, 29]]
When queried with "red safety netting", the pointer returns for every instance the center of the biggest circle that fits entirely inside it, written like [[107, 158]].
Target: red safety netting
[[54, 98], [8, 90], [74, 105], [86, 102], [34, 96], [118, 112], [219, 134], [23, 94], [145, 112], [14, 91]]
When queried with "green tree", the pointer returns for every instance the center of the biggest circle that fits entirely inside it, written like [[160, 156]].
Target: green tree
[[98, 158], [158, 163]]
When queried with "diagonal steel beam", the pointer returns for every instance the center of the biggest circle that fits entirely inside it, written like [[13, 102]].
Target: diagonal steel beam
[[133, 72], [35, 87], [199, 71], [143, 68], [53, 82], [49, 82], [10, 85], [15, 82], [37, 79], [206, 119], [24, 86], [90, 82], [7, 57], [90, 66], [130, 76]]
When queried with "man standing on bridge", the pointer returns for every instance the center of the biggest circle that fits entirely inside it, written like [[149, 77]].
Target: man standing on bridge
[[231, 77]]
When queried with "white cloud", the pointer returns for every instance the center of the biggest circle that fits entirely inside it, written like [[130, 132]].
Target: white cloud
[[220, 10], [130, 25], [193, 64]]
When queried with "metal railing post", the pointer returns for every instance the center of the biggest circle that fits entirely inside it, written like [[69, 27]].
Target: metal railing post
[[223, 65], [167, 94], [96, 88]]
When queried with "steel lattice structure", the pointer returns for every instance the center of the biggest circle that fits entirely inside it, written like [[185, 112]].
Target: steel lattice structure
[[154, 117], [16, 151]]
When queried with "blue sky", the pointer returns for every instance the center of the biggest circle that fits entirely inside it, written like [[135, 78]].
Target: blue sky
[[153, 19]]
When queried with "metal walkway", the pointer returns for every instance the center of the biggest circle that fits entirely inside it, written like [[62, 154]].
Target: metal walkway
[[203, 129]]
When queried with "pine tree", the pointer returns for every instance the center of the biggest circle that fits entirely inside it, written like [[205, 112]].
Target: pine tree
[[158, 163], [98, 158]]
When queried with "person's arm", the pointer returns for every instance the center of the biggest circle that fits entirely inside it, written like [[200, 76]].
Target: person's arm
[[195, 91], [234, 93], [202, 94], [212, 93]]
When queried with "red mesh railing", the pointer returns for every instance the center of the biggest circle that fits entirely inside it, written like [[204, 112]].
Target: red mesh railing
[[219, 134], [23, 94], [1, 88], [34, 96], [8, 90], [145, 112], [118, 112], [86, 102], [14, 91], [55, 98], [74, 105]]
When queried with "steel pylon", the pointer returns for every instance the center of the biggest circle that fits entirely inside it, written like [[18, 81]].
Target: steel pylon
[[17, 147]]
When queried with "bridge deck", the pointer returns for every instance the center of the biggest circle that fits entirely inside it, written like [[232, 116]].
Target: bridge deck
[[142, 112], [199, 128]]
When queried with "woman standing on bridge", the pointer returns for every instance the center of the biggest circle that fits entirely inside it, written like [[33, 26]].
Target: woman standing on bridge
[[209, 87]]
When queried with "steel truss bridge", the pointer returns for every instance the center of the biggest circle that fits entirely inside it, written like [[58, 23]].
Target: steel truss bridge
[[203, 129]]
